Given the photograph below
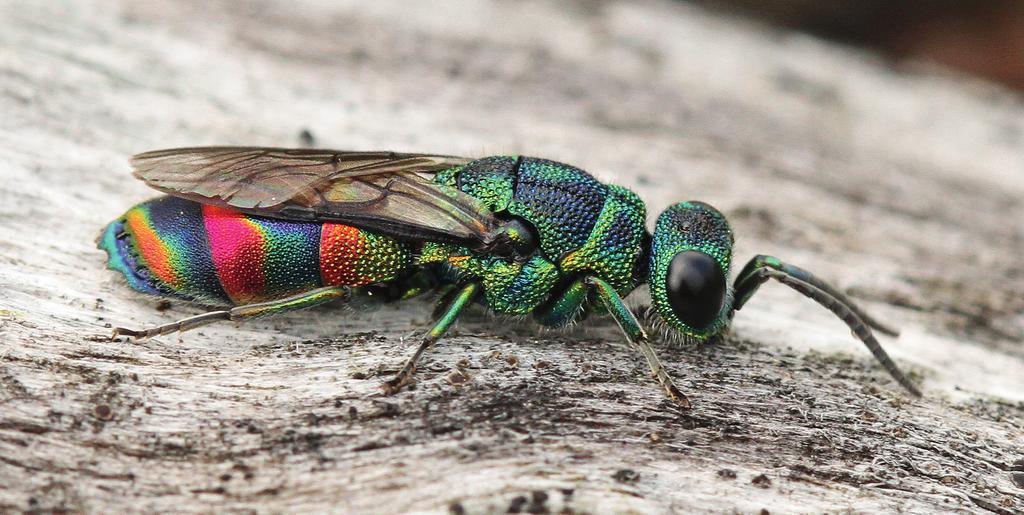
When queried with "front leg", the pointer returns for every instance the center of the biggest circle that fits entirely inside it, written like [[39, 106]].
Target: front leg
[[637, 336]]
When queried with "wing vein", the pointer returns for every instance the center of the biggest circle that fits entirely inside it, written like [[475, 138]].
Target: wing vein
[[387, 192]]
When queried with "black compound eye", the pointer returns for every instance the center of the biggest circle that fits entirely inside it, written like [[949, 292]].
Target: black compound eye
[[696, 288]]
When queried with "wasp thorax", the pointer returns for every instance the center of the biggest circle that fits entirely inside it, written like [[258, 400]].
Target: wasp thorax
[[690, 255]]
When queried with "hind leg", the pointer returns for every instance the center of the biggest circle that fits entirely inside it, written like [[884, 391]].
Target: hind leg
[[238, 313], [463, 298]]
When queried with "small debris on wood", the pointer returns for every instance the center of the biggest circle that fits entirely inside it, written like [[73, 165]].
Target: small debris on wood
[[306, 138], [727, 474], [762, 481], [626, 476], [458, 377], [103, 412]]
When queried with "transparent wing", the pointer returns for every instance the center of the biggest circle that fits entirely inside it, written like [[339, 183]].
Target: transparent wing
[[386, 192]]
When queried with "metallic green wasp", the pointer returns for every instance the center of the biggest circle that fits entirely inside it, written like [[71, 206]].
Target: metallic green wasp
[[263, 231]]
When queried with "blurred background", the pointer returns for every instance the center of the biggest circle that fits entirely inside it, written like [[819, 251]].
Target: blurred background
[[985, 38]]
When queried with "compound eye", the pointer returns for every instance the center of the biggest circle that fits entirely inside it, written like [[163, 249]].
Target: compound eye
[[696, 288]]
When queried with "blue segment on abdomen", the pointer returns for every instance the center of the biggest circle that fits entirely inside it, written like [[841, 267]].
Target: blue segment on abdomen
[[180, 224], [121, 258], [172, 230], [292, 258]]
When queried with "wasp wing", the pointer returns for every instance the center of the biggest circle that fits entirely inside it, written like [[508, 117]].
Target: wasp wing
[[386, 192]]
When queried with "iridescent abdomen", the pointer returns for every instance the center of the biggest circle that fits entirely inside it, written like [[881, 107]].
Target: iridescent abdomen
[[175, 247]]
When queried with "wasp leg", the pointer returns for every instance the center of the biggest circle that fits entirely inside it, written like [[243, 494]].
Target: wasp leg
[[762, 268], [462, 299], [637, 336], [295, 302], [565, 307]]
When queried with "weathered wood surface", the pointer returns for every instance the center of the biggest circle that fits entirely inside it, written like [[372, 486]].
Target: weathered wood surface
[[904, 187]]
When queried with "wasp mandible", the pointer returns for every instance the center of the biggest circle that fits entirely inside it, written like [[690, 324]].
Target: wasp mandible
[[261, 231]]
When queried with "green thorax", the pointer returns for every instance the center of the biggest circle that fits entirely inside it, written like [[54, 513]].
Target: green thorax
[[583, 227]]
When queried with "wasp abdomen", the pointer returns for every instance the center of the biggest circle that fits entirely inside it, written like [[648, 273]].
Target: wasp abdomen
[[161, 247], [175, 247]]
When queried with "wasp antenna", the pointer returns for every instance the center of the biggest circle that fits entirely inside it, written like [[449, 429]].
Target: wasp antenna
[[762, 261], [840, 306]]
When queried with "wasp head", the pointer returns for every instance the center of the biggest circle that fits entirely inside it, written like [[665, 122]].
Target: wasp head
[[690, 256]]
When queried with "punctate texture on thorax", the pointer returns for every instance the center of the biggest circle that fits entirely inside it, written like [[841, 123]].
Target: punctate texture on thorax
[[583, 225]]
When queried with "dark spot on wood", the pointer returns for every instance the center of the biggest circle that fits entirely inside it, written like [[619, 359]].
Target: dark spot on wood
[[538, 502], [517, 504], [306, 138], [369, 446], [458, 377], [727, 474], [218, 490], [103, 412], [246, 471], [761, 481], [1018, 479], [163, 305], [626, 476]]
